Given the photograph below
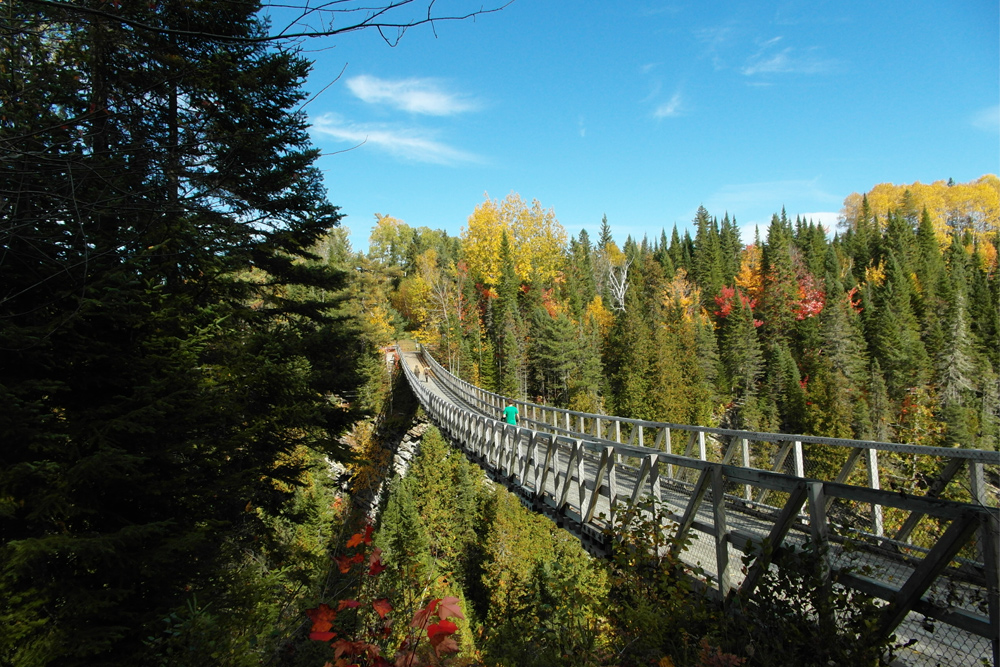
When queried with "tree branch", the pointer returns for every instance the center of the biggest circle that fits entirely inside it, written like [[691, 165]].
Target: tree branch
[[372, 20]]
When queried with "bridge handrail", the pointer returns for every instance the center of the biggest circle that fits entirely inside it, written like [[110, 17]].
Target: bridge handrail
[[470, 390]]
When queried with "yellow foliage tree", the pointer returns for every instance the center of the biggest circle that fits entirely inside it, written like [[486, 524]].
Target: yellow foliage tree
[[536, 238], [600, 315], [974, 205], [682, 298], [750, 278]]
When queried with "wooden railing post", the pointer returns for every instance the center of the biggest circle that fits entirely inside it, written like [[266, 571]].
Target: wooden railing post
[[871, 463]]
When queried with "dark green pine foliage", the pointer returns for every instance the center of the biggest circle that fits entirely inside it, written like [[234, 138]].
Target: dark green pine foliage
[[708, 269], [556, 352], [730, 247], [880, 406], [929, 271], [508, 326], [837, 367], [956, 368], [676, 251], [581, 288], [403, 537], [687, 252], [662, 254], [152, 387], [861, 241], [893, 335], [900, 241], [810, 239], [605, 239], [743, 362], [984, 306], [628, 360], [780, 285]]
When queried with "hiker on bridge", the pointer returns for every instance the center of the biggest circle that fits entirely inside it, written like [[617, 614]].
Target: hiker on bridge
[[510, 414]]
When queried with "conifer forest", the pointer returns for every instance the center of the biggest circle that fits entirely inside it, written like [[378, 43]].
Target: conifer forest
[[198, 424]]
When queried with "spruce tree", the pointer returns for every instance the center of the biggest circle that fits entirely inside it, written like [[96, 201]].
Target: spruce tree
[[893, 336], [605, 239], [708, 261], [741, 358], [160, 204]]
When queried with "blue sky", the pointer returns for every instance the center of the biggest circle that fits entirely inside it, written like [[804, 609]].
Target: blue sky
[[644, 111]]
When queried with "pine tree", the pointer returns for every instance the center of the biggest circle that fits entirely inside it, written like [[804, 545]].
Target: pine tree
[[628, 358], [893, 335], [676, 250], [161, 202], [708, 261], [556, 343], [731, 247], [741, 357], [880, 406], [780, 286], [580, 284]]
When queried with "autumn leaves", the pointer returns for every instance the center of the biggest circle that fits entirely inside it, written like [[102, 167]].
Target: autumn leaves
[[358, 641]]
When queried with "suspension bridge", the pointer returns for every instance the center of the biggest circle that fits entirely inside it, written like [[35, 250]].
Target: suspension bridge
[[914, 526]]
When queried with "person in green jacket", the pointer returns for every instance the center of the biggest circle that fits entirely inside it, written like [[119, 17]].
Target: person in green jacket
[[510, 413]]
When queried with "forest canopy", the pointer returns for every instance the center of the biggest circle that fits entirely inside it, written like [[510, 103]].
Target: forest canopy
[[883, 329]]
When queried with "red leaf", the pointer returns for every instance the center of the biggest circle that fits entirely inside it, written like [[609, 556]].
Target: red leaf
[[322, 636], [344, 563], [423, 615], [355, 540], [449, 608], [445, 645], [367, 539], [375, 565], [442, 629], [322, 617], [348, 604], [382, 606]]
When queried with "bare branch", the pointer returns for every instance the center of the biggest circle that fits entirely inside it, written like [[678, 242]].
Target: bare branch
[[371, 20]]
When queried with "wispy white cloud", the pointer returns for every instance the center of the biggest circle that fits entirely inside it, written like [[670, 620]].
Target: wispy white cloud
[[715, 40], [770, 60], [987, 119], [759, 200], [669, 109], [581, 127], [749, 231], [421, 96], [826, 219], [412, 144], [773, 193]]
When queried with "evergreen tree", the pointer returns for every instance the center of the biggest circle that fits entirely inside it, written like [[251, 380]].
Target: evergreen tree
[[730, 246], [403, 538], [580, 284], [742, 360], [605, 239], [780, 286], [160, 204], [893, 335], [786, 390], [662, 253], [628, 359], [676, 250], [880, 406], [556, 343], [708, 268]]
